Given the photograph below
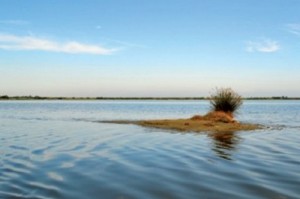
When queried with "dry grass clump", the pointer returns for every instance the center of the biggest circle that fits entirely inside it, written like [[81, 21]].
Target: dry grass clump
[[219, 116], [197, 117], [225, 100], [215, 116]]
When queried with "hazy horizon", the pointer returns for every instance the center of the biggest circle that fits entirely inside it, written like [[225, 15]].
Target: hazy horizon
[[140, 48]]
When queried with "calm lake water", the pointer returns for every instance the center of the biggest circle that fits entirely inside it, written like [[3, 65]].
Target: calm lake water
[[57, 149]]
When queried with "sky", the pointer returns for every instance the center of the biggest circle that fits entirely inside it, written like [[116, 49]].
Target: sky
[[143, 48]]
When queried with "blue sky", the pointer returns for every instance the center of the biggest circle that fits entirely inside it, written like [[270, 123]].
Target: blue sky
[[149, 48]]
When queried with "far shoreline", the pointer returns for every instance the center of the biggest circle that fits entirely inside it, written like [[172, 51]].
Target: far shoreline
[[29, 98]]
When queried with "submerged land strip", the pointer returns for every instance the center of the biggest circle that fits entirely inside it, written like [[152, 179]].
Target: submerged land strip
[[224, 103], [211, 122]]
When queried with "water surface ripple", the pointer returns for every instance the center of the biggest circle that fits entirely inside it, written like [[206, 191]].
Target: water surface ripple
[[53, 149]]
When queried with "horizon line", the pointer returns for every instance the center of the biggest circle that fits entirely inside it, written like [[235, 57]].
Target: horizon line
[[36, 97]]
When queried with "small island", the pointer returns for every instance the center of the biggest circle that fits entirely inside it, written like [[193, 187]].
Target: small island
[[224, 104]]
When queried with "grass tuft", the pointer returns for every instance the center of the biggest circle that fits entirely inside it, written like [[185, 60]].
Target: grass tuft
[[226, 100]]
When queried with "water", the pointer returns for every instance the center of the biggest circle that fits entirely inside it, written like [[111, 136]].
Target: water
[[57, 149]]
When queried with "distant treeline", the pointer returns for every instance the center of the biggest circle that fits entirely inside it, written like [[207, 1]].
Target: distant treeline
[[6, 97]]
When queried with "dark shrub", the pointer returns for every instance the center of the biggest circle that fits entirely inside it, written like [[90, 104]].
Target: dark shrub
[[4, 97], [226, 100]]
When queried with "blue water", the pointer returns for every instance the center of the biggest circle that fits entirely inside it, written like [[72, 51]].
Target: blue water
[[57, 149]]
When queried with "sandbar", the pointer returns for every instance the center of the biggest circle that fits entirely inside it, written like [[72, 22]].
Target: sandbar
[[210, 122]]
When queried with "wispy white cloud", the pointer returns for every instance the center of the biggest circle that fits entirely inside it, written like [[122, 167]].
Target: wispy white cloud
[[294, 28], [264, 46], [13, 42], [14, 22]]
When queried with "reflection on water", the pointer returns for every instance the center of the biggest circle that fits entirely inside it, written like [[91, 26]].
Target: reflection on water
[[224, 143], [53, 150]]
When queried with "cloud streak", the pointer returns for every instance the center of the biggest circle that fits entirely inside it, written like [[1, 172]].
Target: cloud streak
[[294, 28], [14, 22], [265, 46], [30, 43]]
